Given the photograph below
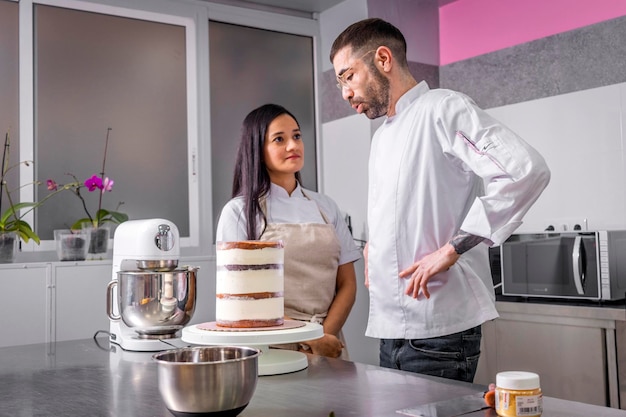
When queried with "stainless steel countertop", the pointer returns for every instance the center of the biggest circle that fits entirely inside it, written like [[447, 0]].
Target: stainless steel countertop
[[85, 378]]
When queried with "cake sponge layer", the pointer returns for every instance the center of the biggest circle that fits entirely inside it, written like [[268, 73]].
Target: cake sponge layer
[[245, 282], [231, 310]]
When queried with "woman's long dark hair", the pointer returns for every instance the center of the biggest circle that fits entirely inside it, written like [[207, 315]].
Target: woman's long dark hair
[[251, 180]]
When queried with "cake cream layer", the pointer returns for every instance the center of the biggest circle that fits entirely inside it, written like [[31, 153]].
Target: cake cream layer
[[245, 282], [262, 309], [250, 256]]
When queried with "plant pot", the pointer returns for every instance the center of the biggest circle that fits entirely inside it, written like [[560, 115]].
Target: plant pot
[[8, 247], [72, 245], [98, 242]]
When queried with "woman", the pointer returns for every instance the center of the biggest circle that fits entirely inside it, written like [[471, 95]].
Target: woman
[[270, 204]]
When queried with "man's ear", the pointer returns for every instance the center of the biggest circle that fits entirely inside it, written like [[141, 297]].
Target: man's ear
[[384, 58]]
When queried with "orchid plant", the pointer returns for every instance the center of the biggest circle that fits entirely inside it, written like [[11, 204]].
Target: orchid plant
[[11, 219], [102, 184]]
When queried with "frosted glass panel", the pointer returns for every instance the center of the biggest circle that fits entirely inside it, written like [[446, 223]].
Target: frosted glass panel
[[9, 89], [94, 71], [248, 68]]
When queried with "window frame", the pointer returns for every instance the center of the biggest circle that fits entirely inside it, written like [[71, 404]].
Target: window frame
[[27, 93]]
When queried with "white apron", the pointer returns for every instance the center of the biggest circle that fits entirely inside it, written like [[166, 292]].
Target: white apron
[[312, 253]]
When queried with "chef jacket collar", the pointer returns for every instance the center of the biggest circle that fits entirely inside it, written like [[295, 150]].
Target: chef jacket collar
[[409, 97], [278, 191]]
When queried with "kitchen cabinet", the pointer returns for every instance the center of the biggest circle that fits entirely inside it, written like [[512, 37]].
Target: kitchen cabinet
[[80, 299], [25, 304], [620, 336], [572, 348], [58, 301]]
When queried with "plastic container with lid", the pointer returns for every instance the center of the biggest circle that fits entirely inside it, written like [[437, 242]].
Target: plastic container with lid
[[518, 394]]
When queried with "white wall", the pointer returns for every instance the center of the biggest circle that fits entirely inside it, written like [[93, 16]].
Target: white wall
[[581, 136], [344, 161]]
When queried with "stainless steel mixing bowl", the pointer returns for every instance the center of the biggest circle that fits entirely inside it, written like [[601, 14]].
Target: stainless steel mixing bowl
[[154, 303], [210, 381]]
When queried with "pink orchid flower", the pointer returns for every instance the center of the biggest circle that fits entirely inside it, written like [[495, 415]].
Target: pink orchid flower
[[107, 184], [52, 185], [93, 183]]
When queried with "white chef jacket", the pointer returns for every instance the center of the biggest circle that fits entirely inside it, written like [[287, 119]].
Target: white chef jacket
[[284, 208], [441, 165]]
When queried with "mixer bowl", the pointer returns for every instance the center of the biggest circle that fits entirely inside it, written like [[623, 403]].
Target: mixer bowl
[[154, 303], [208, 381]]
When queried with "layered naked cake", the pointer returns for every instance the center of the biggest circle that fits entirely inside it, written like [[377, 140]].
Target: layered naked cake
[[249, 284]]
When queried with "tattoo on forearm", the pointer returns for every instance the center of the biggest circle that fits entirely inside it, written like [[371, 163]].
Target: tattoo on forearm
[[463, 242]]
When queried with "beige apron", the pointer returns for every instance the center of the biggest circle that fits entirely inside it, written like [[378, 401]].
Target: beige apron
[[311, 260]]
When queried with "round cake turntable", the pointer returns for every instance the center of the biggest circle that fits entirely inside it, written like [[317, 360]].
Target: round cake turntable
[[271, 361]]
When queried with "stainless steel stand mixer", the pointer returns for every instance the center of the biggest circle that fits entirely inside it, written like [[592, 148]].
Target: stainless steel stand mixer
[[149, 299]]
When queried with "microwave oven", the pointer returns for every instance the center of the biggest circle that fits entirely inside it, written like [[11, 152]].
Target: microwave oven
[[574, 265]]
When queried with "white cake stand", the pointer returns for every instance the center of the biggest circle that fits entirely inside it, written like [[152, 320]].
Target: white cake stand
[[271, 361]]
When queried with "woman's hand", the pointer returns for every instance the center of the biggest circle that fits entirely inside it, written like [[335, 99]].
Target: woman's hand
[[328, 345]]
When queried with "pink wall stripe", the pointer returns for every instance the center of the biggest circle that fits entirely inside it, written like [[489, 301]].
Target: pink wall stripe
[[468, 28]]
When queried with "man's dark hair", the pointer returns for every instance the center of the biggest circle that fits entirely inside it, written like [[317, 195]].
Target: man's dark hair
[[369, 34]]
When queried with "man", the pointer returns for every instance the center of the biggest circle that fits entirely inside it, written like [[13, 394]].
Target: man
[[446, 180]]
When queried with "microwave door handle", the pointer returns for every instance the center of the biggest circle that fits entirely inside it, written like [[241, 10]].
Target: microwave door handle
[[578, 274]]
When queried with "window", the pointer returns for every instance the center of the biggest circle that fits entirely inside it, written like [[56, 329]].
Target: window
[[98, 67], [253, 67], [147, 70]]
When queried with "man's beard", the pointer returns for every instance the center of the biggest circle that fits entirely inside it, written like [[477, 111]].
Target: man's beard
[[377, 95]]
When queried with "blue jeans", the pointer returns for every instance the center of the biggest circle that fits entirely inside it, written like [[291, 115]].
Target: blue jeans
[[453, 356]]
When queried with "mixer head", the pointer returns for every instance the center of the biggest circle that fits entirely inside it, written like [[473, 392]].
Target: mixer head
[[147, 240]]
